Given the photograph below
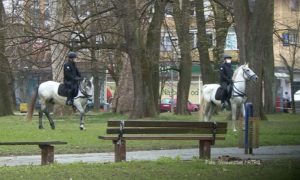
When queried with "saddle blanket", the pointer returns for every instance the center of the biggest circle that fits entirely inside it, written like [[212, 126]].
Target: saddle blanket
[[62, 90], [219, 93]]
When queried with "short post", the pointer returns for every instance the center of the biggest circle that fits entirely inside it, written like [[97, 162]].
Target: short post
[[248, 113], [120, 150], [204, 149], [47, 154]]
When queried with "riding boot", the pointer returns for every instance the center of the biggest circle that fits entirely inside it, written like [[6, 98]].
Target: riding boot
[[228, 105], [223, 101], [69, 101]]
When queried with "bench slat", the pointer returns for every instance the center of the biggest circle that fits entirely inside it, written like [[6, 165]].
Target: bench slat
[[161, 130], [32, 143], [155, 137], [158, 123]]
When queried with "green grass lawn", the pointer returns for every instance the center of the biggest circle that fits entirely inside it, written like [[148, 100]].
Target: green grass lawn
[[280, 129], [163, 168]]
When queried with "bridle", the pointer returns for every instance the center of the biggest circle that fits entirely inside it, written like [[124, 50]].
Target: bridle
[[83, 91], [248, 77]]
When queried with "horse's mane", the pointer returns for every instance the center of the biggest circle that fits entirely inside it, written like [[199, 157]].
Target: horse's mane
[[236, 71]]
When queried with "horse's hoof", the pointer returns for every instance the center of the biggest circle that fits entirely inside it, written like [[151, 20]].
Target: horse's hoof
[[81, 127], [41, 127], [52, 127]]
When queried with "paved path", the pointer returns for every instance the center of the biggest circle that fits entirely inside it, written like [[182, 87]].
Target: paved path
[[263, 153]]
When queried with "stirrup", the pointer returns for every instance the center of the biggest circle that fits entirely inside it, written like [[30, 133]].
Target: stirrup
[[69, 102]]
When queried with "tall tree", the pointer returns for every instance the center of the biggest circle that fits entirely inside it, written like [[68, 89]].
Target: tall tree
[[144, 68], [254, 27], [5, 100], [181, 10], [206, 64], [222, 22]]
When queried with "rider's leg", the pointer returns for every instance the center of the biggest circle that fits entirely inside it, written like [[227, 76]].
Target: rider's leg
[[69, 98], [223, 99], [229, 90]]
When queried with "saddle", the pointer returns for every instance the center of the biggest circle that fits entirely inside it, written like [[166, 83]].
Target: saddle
[[63, 90], [222, 92], [219, 93]]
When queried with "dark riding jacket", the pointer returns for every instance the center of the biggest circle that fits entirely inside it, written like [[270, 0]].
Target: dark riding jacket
[[71, 73], [71, 77], [226, 73]]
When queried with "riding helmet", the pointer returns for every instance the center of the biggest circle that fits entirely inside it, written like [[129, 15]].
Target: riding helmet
[[72, 55], [227, 57]]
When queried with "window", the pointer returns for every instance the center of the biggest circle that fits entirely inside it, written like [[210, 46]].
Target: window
[[231, 40], [293, 36], [294, 5], [290, 38], [169, 9], [193, 38], [193, 8], [166, 43], [285, 39]]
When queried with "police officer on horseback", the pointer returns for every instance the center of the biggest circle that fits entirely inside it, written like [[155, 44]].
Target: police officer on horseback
[[226, 73], [71, 77]]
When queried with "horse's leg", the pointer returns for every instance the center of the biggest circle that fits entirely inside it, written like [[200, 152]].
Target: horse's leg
[[41, 112], [81, 111], [211, 110], [41, 119], [233, 112], [81, 127], [47, 113], [206, 111]]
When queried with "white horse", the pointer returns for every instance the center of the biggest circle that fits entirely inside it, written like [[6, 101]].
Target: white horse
[[48, 96], [238, 96]]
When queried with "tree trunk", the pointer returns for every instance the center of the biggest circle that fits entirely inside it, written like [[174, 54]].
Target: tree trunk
[[222, 23], [124, 95], [202, 44], [5, 97], [141, 67], [153, 46], [266, 17], [61, 13], [182, 22], [255, 45]]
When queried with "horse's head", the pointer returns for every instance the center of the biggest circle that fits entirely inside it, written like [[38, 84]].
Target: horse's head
[[248, 73], [87, 87]]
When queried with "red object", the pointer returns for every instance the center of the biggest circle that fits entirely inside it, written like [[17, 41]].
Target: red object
[[278, 107], [108, 94], [165, 105]]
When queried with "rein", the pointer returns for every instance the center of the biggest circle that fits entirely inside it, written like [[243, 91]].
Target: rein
[[83, 91], [236, 90]]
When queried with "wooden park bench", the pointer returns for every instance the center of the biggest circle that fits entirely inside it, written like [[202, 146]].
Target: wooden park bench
[[204, 132], [47, 149]]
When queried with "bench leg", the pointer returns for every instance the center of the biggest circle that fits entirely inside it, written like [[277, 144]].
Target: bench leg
[[204, 149], [120, 150], [47, 154]]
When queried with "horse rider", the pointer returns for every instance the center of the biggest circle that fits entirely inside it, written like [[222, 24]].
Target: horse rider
[[71, 77], [226, 73]]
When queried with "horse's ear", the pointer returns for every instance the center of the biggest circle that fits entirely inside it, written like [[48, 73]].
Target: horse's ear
[[92, 79]]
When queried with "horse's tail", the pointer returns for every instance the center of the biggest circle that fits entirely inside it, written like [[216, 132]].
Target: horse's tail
[[31, 105]]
